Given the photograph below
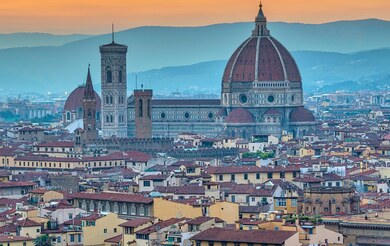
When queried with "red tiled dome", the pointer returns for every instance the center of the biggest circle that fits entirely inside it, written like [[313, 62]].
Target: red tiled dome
[[75, 100], [272, 111], [261, 58], [301, 114], [222, 112], [240, 115]]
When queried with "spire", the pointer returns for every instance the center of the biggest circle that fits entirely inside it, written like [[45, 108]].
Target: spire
[[89, 93], [260, 23], [112, 30]]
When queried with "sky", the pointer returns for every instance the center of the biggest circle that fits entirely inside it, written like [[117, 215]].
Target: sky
[[96, 16]]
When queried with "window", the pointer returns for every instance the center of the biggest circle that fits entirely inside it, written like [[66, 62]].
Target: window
[[257, 175], [294, 203], [38, 230], [233, 198], [253, 199], [232, 177], [198, 243], [282, 175], [105, 230], [120, 76], [140, 108], [58, 239], [245, 176], [220, 178], [294, 174], [115, 230], [211, 244], [270, 175], [338, 184], [70, 216], [146, 183], [72, 238], [108, 75], [330, 184], [280, 202]]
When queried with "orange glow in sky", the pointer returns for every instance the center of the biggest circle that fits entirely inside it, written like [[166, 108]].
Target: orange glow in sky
[[96, 16]]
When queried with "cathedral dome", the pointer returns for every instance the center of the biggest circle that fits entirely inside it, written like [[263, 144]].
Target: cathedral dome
[[74, 102], [261, 58], [240, 115], [301, 114]]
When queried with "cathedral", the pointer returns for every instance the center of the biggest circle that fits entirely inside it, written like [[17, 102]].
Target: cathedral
[[261, 94]]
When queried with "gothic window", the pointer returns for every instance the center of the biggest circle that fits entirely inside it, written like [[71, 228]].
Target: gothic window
[[89, 113], [140, 108], [108, 75], [149, 108], [111, 99], [107, 99], [97, 115], [111, 118], [120, 76], [107, 118]]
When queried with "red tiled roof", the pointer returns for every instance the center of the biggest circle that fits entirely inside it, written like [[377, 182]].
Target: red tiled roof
[[301, 114], [161, 225], [135, 222], [117, 197], [8, 239], [272, 59], [240, 115], [76, 97], [116, 239], [27, 223], [249, 236]]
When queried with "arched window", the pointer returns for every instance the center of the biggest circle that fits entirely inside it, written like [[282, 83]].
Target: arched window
[[108, 75], [149, 108], [111, 99], [120, 76], [107, 99], [140, 108], [67, 116], [107, 118], [111, 118]]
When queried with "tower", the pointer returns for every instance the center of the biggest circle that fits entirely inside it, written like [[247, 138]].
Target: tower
[[89, 115], [143, 113], [114, 89]]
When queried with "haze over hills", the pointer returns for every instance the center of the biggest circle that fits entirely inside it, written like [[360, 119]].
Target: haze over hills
[[320, 71], [62, 68], [37, 39]]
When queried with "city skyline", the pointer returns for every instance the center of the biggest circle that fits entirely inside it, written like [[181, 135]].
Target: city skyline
[[66, 17]]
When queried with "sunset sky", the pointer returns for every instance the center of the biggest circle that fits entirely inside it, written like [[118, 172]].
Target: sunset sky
[[96, 16]]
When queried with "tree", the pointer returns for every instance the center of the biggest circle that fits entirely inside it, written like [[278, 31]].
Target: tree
[[43, 240]]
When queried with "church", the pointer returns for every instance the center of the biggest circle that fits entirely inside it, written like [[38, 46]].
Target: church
[[261, 94]]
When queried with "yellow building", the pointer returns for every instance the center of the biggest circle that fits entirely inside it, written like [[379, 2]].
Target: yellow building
[[10, 240], [131, 227], [252, 174], [166, 209], [98, 228]]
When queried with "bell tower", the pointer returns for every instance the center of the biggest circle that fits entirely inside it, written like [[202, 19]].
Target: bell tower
[[114, 89], [143, 113], [89, 115]]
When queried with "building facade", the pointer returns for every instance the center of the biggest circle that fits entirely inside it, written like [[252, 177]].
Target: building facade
[[261, 93], [114, 90]]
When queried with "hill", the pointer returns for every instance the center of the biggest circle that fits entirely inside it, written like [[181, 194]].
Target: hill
[[15, 40], [62, 68]]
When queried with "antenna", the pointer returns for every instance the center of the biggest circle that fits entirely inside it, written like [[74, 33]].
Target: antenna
[[136, 81], [112, 28]]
